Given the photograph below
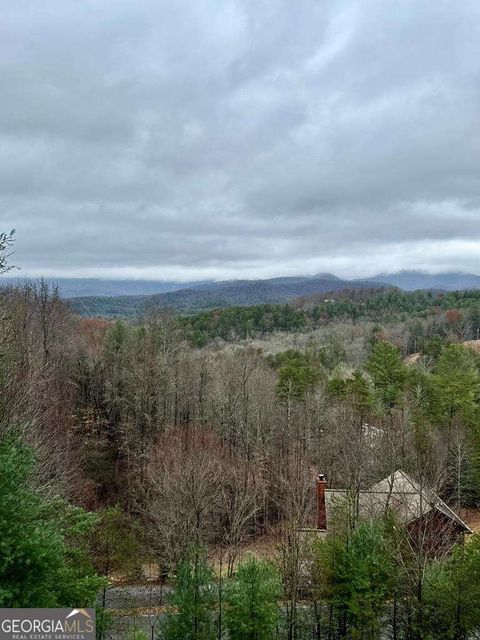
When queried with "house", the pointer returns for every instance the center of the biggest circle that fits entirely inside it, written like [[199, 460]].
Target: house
[[428, 520]]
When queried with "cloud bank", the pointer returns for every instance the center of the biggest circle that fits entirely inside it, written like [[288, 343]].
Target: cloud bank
[[187, 139]]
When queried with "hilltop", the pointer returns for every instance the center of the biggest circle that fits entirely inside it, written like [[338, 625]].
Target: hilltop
[[194, 297]]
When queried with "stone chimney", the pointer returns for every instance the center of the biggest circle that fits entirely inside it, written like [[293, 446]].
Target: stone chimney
[[321, 508]]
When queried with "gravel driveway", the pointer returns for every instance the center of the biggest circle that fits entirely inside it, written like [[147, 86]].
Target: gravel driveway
[[135, 607]]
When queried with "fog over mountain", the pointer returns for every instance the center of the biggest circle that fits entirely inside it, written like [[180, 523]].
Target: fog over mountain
[[75, 287], [200, 296], [411, 280], [184, 141], [263, 291]]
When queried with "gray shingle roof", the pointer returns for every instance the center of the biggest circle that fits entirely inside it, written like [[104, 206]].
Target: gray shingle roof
[[399, 492]]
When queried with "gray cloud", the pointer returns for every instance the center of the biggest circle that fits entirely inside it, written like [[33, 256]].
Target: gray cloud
[[240, 138]]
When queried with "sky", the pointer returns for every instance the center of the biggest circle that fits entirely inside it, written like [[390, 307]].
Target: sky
[[216, 139]]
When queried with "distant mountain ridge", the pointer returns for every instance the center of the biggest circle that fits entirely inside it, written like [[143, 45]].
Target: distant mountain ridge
[[248, 292], [219, 295], [412, 280], [86, 287], [113, 298]]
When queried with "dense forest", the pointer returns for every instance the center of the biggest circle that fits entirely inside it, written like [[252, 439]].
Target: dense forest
[[193, 298], [215, 295], [189, 446], [380, 305], [422, 311]]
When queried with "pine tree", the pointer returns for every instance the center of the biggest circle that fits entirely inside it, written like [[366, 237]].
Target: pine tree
[[252, 610], [454, 406], [43, 561], [296, 374], [388, 373], [353, 573], [192, 600], [456, 385], [452, 592]]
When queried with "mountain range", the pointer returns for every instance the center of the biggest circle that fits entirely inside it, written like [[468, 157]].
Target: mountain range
[[412, 280], [86, 287], [192, 297], [127, 298]]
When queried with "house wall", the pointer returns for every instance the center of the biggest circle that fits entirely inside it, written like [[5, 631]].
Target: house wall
[[434, 533]]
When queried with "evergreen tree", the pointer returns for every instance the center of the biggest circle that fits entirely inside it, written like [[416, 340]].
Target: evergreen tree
[[43, 550], [252, 610], [434, 347], [354, 575], [356, 391], [456, 388], [297, 374], [454, 406], [388, 373], [452, 593], [474, 322], [192, 600]]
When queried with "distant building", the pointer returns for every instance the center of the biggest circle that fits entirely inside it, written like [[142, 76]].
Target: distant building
[[426, 517], [413, 358]]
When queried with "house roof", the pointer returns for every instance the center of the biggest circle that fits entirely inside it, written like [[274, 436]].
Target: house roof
[[474, 345], [398, 492], [413, 358]]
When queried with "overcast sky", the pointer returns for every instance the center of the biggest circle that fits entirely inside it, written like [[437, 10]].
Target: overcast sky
[[193, 139]]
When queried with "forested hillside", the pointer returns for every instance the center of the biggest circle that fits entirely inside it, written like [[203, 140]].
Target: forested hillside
[[180, 453], [190, 300], [215, 295], [124, 298], [362, 305], [182, 443]]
